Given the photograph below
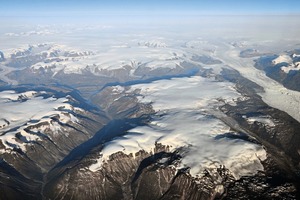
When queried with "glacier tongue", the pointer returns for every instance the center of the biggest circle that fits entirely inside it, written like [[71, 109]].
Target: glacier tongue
[[275, 95]]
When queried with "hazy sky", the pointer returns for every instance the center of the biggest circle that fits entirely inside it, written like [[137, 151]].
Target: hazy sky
[[143, 7]]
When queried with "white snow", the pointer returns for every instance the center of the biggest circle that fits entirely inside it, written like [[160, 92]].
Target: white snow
[[289, 61], [97, 165], [282, 59], [186, 123], [261, 119], [21, 110], [291, 67], [117, 89]]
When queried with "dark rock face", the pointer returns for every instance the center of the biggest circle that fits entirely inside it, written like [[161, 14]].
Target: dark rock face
[[14, 185], [144, 177], [125, 177], [261, 187]]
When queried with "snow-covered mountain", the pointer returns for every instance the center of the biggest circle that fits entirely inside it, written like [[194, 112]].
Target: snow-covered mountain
[[290, 63], [191, 119], [153, 44], [38, 128], [188, 124], [58, 58], [45, 53], [202, 135], [284, 68], [27, 116]]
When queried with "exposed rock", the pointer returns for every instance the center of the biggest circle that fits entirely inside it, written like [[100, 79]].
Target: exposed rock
[[2, 58]]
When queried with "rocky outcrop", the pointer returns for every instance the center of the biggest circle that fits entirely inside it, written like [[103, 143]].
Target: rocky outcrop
[[142, 176], [2, 58]]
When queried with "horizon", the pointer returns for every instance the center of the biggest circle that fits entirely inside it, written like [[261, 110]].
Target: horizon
[[56, 8]]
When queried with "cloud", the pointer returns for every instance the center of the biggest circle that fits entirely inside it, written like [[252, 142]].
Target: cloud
[[31, 33]]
